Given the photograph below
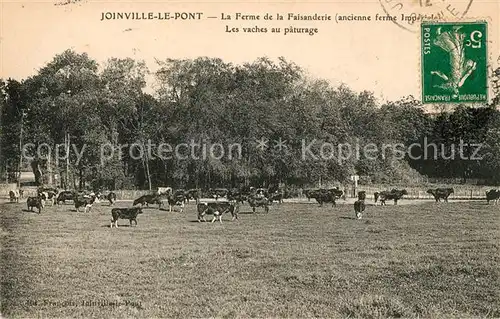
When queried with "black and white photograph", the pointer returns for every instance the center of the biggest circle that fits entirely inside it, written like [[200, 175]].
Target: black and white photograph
[[274, 159]]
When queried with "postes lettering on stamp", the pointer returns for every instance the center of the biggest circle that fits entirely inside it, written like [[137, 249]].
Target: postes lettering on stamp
[[454, 62]]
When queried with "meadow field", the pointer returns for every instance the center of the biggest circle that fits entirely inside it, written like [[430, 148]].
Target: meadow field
[[420, 260]]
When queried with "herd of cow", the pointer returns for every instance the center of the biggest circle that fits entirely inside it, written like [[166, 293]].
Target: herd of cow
[[223, 200]]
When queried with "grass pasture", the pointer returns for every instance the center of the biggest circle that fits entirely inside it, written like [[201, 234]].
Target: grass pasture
[[300, 260]]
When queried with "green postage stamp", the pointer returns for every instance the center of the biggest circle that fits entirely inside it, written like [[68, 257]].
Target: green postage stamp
[[454, 62]]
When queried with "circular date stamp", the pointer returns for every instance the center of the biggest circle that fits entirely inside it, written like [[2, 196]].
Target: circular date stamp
[[409, 13]]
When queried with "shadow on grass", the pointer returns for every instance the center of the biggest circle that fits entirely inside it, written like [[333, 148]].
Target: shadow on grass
[[119, 226], [210, 221], [345, 217], [249, 213], [30, 211]]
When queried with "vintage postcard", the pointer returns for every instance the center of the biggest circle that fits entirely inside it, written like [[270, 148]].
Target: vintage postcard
[[234, 159]]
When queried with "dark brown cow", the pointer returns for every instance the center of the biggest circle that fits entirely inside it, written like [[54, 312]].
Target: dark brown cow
[[326, 196], [493, 195], [125, 213], [393, 194], [148, 199], [64, 196], [359, 208], [441, 193], [37, 202]]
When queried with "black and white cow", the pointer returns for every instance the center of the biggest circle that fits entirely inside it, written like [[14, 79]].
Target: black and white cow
[[217, 209], [111, 197], [359, 205], [84, 201], [14, 196], [177, 199]]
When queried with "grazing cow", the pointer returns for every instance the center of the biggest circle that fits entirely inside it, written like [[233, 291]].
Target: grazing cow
[[14, 196], [37, 202], [493, 195], [64, 196], [324, 196], [111, 198], [258, 201], [393, 194], [148, 199], [217, 209], [441, 193], [125, 213], [85, 202]]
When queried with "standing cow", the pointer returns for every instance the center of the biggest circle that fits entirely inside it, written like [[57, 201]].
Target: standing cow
[[393, 194], [125, 213], [85, 202], [14, 196], [493, 195], [359, 205], [36, 202], [177, 199], [326, 196]]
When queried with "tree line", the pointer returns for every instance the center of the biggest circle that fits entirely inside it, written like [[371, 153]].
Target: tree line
[[75, 102]]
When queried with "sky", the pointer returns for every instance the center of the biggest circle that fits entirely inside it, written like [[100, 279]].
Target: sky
[[379, 56]]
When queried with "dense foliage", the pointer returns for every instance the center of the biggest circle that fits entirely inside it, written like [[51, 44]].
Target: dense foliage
[[74, 101]]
